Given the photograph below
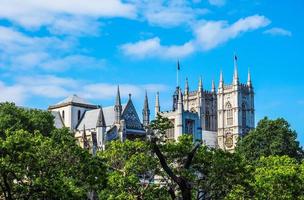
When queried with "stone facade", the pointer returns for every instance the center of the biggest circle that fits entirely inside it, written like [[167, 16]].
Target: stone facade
[[218, 118]]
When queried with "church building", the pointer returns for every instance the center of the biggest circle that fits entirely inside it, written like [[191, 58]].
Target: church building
[[93, 125], [218, 118]]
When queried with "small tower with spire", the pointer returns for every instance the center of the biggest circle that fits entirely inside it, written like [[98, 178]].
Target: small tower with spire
[[213, 87], [101, 130], [118, 107], [235, 74], [146, 111], [249, 83], [179, 117], [186, 95]]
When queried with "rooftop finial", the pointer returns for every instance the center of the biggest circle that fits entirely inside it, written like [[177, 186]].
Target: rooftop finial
[[213, 87], [186, 86], [235, 74], [221, 84], [249, 83], [200, 83]]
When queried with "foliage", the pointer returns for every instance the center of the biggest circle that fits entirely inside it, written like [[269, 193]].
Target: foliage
[[271, 137], [131, 170], [14, 118], [274, 177], [48, 165]]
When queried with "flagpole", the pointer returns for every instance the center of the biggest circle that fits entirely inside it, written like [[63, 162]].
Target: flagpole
[[177, 74]]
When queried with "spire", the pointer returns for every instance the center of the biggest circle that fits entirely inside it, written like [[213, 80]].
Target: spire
[[146, 111], [157, 105], [118, 101], [118, 107], [186, 86], [177, 73], [235, 74], [101, 119], [200, 84], [213, 87], [221, 84], [249, 83]]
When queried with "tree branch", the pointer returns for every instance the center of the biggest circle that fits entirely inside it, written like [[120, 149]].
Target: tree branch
[[191, 155]]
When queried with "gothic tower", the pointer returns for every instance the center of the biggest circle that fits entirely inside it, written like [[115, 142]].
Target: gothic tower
[[235, 110]]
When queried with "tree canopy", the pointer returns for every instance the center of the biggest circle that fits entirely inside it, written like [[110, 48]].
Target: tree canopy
[[43, 166], [38, 161], [270, 137]]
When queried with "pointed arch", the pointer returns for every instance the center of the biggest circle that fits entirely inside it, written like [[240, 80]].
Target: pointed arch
[[229, 114]]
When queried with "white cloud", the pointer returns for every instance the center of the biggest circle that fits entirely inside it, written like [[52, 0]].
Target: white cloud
[[13, 93], [170, 17], [278, 31], [49, 86], [210, 34], [153, 48], [36, 13], [217, 2], [22, 52]]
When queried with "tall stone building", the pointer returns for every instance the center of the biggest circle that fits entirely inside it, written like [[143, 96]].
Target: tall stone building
[[218, 118]]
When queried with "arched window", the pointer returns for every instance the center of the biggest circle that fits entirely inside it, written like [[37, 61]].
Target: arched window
[[208, 120], [244, 124], [63, 114], [78, 115], [229, 113]]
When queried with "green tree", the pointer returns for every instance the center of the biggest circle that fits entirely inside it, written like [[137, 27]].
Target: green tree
[[192, 170], [131, 171], [37, 167], [274, 177], [38, 161], [270, 137], [14, 118]]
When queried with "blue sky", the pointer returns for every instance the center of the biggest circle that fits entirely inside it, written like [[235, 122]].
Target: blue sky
[[51, 49]]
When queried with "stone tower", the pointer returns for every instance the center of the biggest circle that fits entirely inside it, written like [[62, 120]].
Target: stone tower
[[235, 110]]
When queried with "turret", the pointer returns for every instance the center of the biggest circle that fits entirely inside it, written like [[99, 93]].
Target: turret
[[179, 117], [249, 83], [221, 84], [200, 84], [146, 112], [101, 130], [186, 87], [213, 87], [157, 105], [118, 107], [235, 74]]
